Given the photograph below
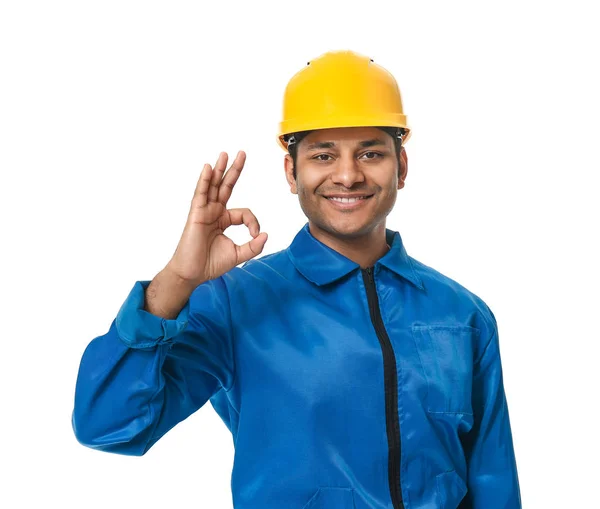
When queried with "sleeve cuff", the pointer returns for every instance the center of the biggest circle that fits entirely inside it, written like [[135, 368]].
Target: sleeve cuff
[[138, 328]]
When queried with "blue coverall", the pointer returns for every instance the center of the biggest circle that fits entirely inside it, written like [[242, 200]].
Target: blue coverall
[[343, 388]]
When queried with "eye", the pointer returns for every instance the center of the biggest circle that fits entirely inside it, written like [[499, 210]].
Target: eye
[[321, 155], [375, 155]]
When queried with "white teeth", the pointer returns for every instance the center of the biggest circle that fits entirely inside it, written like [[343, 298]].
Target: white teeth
[[347, 200]]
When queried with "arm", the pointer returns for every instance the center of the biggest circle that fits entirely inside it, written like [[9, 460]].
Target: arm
[[148, 373], [492, 478]]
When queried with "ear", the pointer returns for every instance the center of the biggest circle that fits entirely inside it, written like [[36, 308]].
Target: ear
[[288, 164], [402, 168]]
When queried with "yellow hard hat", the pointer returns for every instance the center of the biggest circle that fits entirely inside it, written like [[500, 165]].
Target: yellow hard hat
[[341, 89]]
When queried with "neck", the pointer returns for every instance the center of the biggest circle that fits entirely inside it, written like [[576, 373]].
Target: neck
[[364, 250]]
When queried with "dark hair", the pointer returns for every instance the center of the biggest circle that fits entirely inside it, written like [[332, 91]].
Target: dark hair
[[293, 148]]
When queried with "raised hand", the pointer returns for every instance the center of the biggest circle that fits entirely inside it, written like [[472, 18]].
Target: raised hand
[[204, 252]]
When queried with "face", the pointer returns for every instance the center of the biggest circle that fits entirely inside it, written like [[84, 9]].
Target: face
[[347, 179]]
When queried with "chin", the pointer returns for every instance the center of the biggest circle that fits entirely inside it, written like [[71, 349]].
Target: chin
[[343, 228]]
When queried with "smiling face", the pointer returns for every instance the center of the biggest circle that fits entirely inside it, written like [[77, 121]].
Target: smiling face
[[347, 180]]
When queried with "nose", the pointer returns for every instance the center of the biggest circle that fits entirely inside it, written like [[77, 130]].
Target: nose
[[347, 172]]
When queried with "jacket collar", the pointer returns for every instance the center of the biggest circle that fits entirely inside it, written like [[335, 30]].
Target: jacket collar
[[322, 265]]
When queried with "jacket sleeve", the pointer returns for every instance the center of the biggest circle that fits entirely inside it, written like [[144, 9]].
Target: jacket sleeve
[[492, 479], [147, 373]]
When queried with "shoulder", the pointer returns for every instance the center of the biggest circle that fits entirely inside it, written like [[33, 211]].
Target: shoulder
[[250, 282], [267, 270], [267, 266], [453, 296]]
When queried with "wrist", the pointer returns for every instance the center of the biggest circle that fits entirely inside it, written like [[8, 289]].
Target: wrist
[[175, 281]]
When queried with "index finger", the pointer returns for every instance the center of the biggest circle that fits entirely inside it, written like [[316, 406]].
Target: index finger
[[231, 177]]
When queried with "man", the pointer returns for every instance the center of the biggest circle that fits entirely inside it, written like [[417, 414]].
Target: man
[[350, 374]]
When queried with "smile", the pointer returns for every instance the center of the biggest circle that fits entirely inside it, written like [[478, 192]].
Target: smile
[[347, 200], [347, 203]]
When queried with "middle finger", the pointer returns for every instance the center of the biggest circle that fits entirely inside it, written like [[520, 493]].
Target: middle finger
[[215, 181], [231, 177]]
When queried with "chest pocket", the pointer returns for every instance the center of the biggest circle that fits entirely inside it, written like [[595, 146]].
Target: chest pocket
[[446, 355]]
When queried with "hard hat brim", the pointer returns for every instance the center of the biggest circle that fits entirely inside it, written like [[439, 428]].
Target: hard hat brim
[[392, 120]]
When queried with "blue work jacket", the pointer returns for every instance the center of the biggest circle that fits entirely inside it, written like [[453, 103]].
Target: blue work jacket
[[343, 388]]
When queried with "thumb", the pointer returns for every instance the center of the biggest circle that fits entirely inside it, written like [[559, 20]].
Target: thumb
[[251, 249]]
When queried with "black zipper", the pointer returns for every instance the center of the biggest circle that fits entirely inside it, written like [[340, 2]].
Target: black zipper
[[390, 381]]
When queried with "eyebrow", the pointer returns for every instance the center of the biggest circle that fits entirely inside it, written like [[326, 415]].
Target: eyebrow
[[330, 144]]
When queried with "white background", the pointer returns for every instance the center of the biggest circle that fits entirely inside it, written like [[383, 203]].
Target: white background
[[108, 110]]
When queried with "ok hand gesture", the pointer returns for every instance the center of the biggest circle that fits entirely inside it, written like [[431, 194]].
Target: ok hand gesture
[[204, 252]]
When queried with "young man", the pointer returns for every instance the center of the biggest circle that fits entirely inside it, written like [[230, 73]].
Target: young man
[[350, 374]]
